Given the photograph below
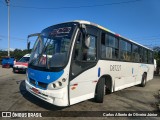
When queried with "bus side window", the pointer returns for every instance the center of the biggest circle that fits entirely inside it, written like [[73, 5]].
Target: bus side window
[[83, 57], [90, 53], [145, 54], [77, 48], [125, 50], [135, 53], [141, 54], [109, 46], [103, 47], [85, 54], [150, 57]]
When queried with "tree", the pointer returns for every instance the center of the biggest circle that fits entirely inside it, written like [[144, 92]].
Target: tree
[[17, 53], [157, 55]]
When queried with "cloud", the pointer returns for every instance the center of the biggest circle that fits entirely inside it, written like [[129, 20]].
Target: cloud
[[11, 49]]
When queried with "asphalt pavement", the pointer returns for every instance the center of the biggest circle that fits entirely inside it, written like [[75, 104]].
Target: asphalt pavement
[[14, 97]]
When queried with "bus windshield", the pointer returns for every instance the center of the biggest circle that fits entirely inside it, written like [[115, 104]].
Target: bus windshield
[[51, 50]]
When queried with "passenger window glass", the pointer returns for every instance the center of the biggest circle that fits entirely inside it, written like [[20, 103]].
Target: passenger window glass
[[135, 53], [84, 57], [109, 46], [111, 41], [141, 54], [125, 50], [145, 56], [86, 54], [78, 48], [103, 47], [150, 57], [91, 52]]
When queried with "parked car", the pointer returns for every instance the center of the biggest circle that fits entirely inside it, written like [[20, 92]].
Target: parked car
[[7, 62], [22, 64]]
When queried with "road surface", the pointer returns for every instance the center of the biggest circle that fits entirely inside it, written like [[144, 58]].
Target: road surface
[[14, 97]]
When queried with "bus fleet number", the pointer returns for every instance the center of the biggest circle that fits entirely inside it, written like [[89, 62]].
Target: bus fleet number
[[115, 67]]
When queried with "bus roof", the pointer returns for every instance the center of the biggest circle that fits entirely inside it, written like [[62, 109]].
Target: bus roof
[[105, 29]]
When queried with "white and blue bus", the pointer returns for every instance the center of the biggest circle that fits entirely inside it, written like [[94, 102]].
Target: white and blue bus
[[79, 60]]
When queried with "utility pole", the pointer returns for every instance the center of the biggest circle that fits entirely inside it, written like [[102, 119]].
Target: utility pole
[[8, 3]]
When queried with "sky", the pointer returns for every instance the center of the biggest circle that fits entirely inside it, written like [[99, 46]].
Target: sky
[[138, 20]]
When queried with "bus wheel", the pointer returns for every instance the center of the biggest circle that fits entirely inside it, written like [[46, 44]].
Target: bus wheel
[[100, 91], [144, 79]]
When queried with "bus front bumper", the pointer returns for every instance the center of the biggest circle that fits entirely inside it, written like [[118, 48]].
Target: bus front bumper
[[57, 97]]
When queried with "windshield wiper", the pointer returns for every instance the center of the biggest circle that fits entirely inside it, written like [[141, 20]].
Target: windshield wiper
[[47, 65], [38, 58], [33, 60]]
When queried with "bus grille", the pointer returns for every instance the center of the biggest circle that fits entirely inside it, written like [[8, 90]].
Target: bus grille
[[43, 85], [33, 82], [39, 84]]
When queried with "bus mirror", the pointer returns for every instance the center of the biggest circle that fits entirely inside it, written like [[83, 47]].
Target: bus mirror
[[87, 41], [85, 36], [28, 45], [84, 29]]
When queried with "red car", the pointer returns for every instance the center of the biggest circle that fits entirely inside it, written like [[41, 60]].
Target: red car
[[22, 64]]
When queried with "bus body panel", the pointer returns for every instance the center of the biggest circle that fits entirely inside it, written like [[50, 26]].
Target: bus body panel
[[83, 86], [124, 75], [57, 97]]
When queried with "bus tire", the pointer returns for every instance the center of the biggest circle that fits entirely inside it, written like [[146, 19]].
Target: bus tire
[[144, 80], [100, 91]]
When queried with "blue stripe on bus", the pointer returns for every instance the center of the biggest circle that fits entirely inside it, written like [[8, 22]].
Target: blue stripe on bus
[[99, 72], [43, 76]]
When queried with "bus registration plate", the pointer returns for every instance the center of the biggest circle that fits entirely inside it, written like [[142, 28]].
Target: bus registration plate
[[35, 90]]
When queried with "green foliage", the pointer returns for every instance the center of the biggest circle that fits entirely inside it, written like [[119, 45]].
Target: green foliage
[[17, 53], [157, 55]]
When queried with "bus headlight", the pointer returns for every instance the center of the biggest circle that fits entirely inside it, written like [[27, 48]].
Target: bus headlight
[[63, 80], [58, 84], [54, 85]]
